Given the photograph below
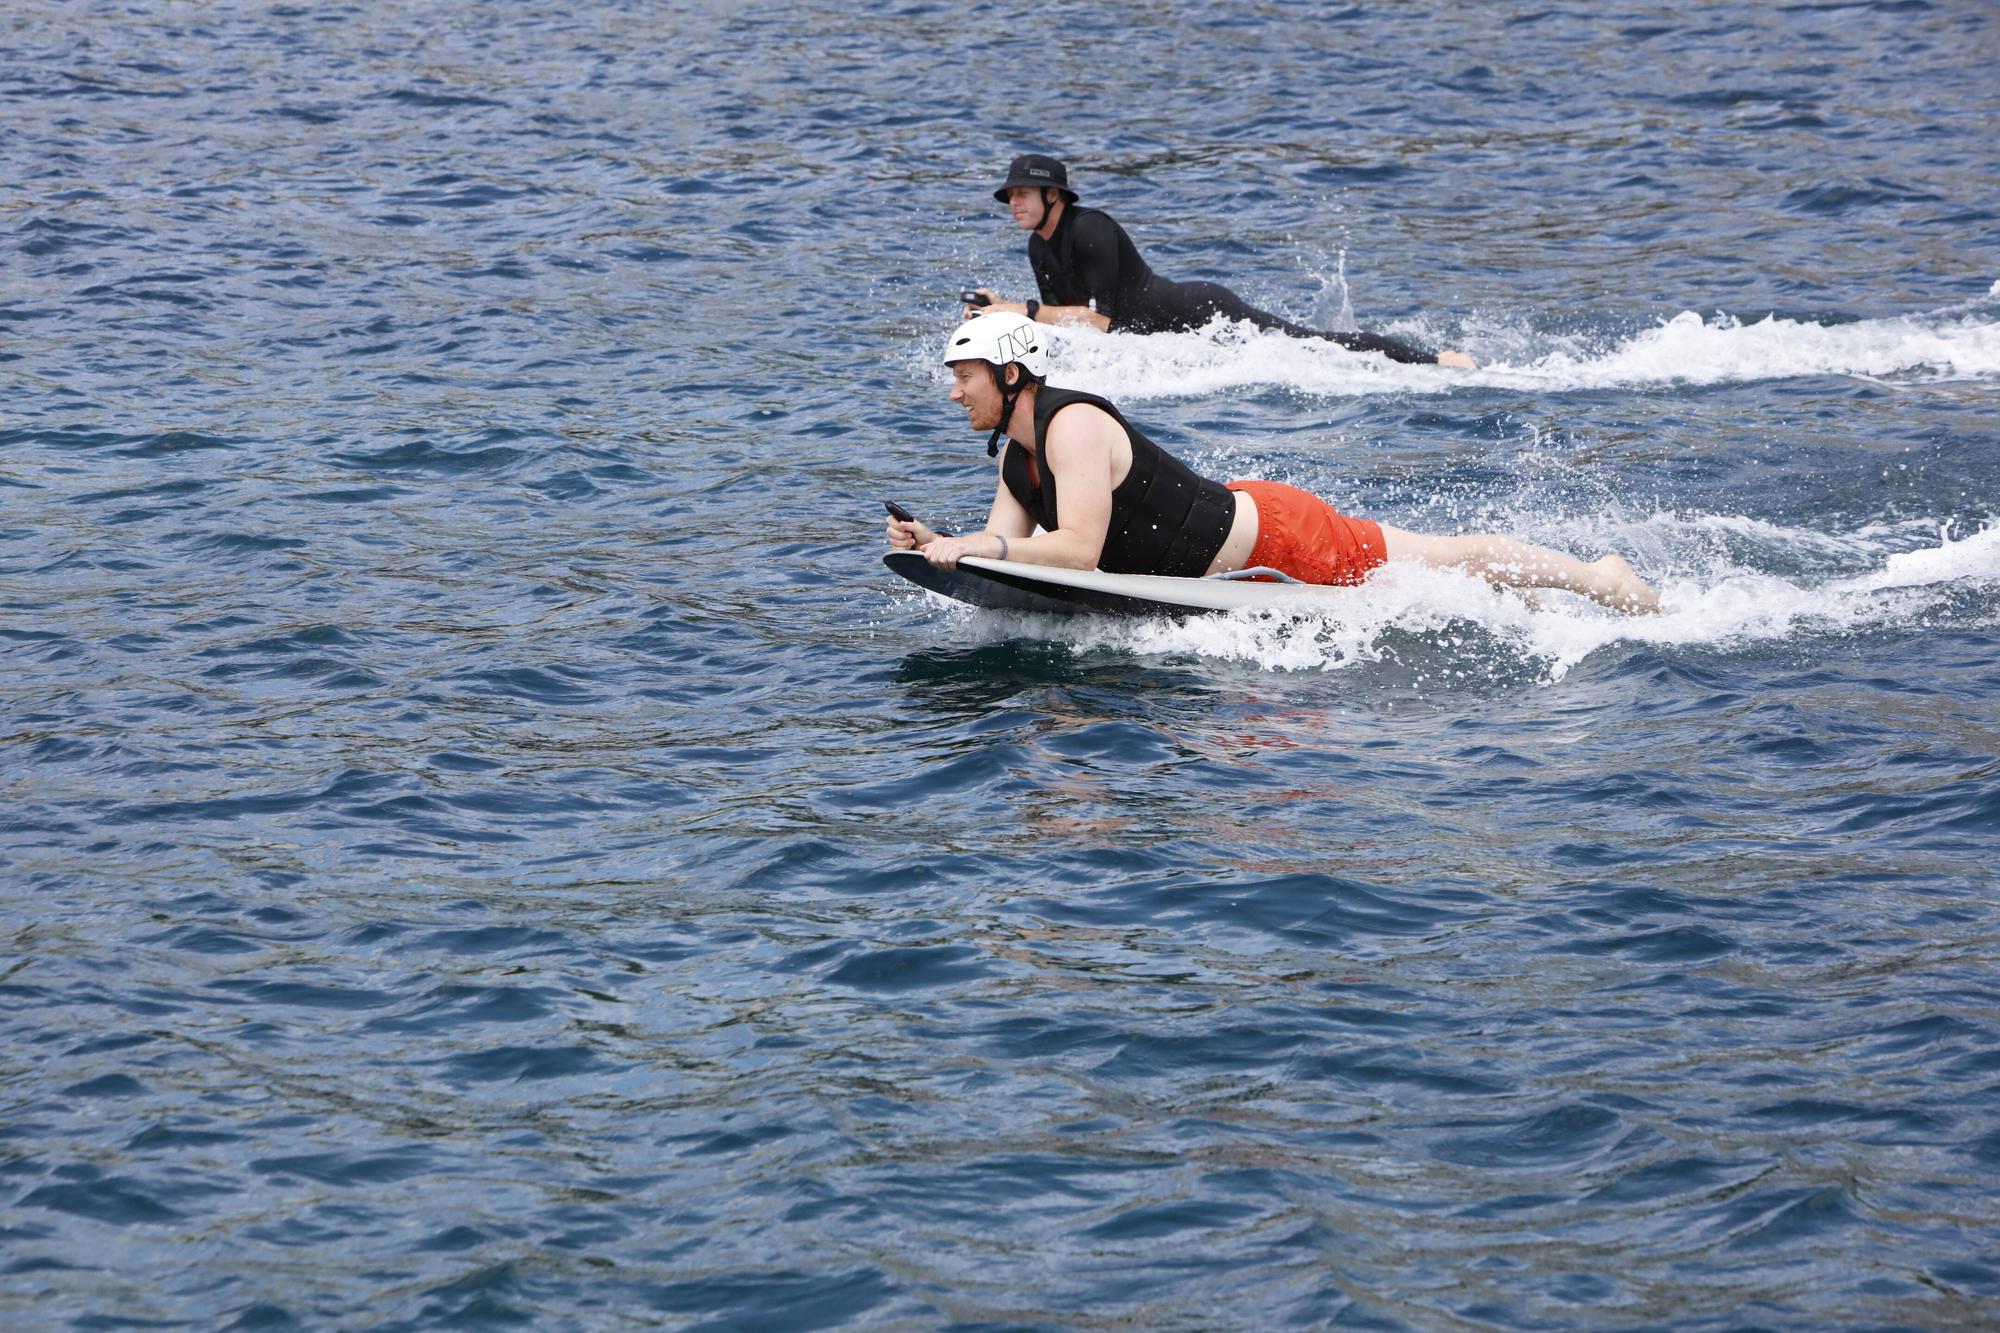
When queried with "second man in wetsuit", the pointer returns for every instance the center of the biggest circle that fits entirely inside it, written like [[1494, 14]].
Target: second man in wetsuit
[[1089, 272]]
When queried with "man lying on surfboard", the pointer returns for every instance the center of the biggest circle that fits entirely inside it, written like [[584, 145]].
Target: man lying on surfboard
[[1108, 498], [1089, 272]]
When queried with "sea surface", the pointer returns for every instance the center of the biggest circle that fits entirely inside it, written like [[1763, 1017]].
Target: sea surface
[[485, 843]]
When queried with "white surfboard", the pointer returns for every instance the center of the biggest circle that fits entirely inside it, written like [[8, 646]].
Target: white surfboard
[[1009, 585]]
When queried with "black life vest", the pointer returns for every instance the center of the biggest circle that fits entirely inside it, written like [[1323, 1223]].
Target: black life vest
[[1165, 518]]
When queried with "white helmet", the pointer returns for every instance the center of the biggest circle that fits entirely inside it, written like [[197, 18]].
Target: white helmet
[[1001, 338]]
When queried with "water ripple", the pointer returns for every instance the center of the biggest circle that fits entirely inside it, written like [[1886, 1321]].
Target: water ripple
[[484, 845]]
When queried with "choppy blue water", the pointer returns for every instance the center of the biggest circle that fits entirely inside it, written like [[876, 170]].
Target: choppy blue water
[[484, 841]]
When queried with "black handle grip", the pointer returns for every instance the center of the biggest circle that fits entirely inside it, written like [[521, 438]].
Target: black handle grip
[[903, 515], [971, 297]]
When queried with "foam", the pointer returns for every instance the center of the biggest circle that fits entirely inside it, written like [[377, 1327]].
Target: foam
[[1960, 343], [1975, 558], [1472, 628]]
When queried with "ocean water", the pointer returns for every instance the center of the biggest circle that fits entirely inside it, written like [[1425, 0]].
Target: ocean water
[[485, 843]]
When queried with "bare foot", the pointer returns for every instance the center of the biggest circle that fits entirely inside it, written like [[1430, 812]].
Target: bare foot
[[1620, 587], [1457, 361]]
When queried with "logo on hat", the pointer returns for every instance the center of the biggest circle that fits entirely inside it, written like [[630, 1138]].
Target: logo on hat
[[1038, 171]]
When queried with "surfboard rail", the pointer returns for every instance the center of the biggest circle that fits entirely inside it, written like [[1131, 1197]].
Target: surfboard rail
[[1010, 585]]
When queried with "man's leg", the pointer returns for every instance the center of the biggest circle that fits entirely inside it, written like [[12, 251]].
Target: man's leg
[[1508, 562], [1209, 299]]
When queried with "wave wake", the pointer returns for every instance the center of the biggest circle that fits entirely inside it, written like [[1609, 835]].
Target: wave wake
[[1961, 342], [1462, 627]]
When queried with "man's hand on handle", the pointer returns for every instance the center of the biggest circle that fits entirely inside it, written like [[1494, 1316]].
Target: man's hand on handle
[[908, 534], [994, 303]]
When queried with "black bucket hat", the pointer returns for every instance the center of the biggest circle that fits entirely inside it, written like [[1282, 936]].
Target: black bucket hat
[[1041, 172]]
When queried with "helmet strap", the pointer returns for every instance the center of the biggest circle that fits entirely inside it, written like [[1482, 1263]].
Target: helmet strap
[[1007, 397]]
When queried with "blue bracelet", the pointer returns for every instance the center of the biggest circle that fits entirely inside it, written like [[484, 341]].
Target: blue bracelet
[[1003, 545]]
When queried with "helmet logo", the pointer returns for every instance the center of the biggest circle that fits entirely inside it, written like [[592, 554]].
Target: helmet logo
[[1016, 343]]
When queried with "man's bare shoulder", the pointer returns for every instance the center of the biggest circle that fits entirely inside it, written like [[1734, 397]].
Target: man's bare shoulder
[[1081, 426], [1080, 416]]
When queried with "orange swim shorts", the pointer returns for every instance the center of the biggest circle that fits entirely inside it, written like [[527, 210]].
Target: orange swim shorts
[[1302, 535]]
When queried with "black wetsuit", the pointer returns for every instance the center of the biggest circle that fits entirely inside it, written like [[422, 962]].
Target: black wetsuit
[[1090, 258]]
